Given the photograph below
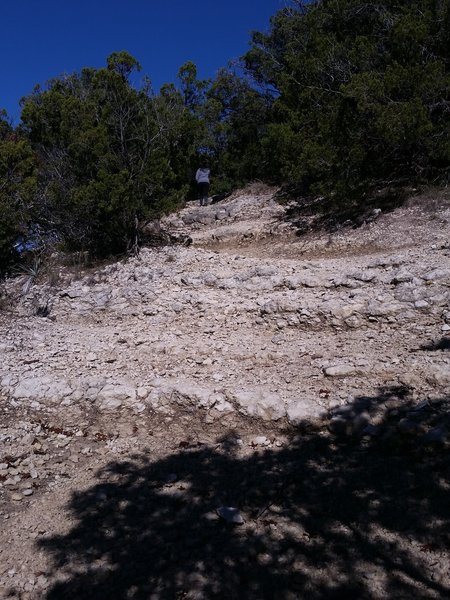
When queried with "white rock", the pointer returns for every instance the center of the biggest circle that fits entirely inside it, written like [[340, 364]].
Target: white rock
[[260, 440], [32, 387], [342, 370], [303, 409], [439, 375], [437, 274], [259, 402], [346, 310], [421, 304], [230, 515], [142, 392], [112, 396]]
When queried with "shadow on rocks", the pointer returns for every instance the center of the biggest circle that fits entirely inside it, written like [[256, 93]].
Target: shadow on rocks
[[358, 516], [442, 344]]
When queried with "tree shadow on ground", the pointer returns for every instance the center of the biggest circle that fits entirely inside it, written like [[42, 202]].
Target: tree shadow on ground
[[442, 344], [359, 516], [318, 213]]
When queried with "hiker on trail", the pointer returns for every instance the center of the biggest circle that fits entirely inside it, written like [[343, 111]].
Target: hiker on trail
[[202, 179]]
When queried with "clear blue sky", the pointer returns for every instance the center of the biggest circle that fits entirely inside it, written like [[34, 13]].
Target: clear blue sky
[[42, 39]]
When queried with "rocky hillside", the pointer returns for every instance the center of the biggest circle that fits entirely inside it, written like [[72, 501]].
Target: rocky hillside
[[250, 330]]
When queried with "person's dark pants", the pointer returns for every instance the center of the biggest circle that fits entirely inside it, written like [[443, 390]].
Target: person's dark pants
[[203, 191]]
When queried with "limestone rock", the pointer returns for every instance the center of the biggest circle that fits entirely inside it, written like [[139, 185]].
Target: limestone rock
[[439, 375], [341, 370], [230, 515], [258, 402], [113, 395]]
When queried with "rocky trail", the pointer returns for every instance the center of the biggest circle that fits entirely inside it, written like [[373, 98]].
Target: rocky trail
[[257, 415]]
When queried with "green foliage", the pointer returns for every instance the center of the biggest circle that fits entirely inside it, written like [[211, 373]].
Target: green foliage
[[122, 63], [17, 188], [338, 97], [235, 115], [111, 154], [361, 93]]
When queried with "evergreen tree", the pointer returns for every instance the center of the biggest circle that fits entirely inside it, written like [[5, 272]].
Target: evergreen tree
[[110, 154], [17, 189], [361, 93]]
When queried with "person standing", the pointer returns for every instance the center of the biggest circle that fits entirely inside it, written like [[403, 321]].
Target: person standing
[[202, 179]]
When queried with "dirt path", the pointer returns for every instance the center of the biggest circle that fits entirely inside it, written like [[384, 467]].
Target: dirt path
[[303, 382]]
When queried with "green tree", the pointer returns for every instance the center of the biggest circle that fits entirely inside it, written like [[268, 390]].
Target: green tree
[[17, 189], [111, 154], [235, 117], [361, 93]]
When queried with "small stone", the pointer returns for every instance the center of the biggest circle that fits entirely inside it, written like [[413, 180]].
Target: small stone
[[42, 581], [27, 492], [260, 440], [340, 371], [61, 443], [360, 422], [407, 426], [16, 497], [421, 304], [437, 435], [371, 430], [439, 375], [340, 426], [402, 277], [230, 515], [211, 516]]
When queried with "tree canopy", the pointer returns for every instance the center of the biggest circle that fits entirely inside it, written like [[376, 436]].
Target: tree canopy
[[361, 93], [337, 98]]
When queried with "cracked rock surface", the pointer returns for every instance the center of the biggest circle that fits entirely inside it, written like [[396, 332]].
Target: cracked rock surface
[[250, 330]]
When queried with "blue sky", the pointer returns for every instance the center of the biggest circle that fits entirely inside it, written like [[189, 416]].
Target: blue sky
[[42, 39]]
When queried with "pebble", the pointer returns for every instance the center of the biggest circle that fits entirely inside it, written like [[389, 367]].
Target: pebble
[[408, 427], [436, 435], [340, 371], [230, 515], [372, 430], [260, 440], [340, 425]]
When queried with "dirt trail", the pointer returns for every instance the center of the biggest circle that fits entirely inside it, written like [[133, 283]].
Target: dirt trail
[[303, 382]]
